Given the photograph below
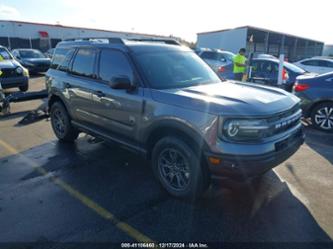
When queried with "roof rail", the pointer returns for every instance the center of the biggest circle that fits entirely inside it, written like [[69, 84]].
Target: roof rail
[[117, 40], [109, 39], [166, 41]]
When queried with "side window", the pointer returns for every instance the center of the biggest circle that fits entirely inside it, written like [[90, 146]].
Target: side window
[[310, 63], [255, 65], [84, 62], [64, 66], [269, 67], [113, 64], [258, 67], [324, 63], [58, 57], [330, 64]]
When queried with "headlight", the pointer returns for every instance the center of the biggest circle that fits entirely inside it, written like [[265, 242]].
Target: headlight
[[25, 72], [244, 129]]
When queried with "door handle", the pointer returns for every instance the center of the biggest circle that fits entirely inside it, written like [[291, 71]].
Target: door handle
[[100, 94], [67, 85]]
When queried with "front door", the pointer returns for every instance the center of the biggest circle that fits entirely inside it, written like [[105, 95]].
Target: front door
[[116, 110]]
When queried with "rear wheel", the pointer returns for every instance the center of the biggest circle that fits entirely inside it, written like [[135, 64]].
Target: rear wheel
[[322, 116], [177, 167], [61, 124]]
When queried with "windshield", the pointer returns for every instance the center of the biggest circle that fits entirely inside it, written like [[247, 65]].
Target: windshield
[[31, 54], [5, 54], [294, 68], [175, 69]]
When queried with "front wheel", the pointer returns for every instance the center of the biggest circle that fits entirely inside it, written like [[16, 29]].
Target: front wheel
[[177, 167], [322, 116], [24, 88]]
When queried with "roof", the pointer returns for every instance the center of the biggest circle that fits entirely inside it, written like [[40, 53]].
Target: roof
[[76, 27], [259, 29]]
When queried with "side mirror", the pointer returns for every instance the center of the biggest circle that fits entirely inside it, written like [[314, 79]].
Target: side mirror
[[121, 82]]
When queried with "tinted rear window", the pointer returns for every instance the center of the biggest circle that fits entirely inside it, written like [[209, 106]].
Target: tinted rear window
[[58, 57], [84, 62]]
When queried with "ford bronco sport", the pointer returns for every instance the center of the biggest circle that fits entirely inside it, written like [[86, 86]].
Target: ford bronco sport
[[160, 99]]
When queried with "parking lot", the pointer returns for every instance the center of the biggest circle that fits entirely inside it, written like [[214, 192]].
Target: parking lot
[[96, 192]]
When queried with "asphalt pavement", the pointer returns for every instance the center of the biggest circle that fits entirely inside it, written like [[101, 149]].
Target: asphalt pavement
[[97, 192]]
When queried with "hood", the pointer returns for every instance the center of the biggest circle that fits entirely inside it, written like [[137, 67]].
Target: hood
[[9, 64], [229, 99], [37, 60]]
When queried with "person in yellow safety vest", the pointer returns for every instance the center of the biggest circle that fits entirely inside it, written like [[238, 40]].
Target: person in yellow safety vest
[[239, 65]]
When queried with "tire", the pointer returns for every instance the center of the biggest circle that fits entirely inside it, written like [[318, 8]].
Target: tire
[[24, 88], [322, 116], [61, 124], [177, 167]]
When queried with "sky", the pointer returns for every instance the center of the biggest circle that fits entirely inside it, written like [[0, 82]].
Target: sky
[[182, 18]]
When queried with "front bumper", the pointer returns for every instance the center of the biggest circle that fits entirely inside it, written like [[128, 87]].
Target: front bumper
[[250, 166], [14, 82]]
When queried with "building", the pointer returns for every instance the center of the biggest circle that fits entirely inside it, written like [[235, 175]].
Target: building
[[328, 50], [17, 34], [260, 40]]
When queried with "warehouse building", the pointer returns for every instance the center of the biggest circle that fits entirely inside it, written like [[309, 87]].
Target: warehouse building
[[17, 34], [328, 50], [260, 40]]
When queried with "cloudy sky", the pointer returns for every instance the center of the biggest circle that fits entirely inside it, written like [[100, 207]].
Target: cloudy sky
[[184, 18]]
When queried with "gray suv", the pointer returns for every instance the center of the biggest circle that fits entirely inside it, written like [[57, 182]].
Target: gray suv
[[164, 102]]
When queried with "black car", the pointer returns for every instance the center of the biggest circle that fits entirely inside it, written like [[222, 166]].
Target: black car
[[266, 70], [33, 59], [316, 93], [12, 74]]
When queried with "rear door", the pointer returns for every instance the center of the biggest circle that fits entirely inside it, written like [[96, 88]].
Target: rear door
[[79, 81], [116, 110]]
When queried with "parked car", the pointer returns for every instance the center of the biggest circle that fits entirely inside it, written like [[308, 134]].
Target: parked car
[[220, 61], [167, 104], [33, 59], [318, 65], [13, 74], [316, 93], [49, 53], [265, 71]]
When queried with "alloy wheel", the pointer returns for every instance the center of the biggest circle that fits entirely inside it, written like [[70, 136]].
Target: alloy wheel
[[324, 118], [58, 122], [174, 169]]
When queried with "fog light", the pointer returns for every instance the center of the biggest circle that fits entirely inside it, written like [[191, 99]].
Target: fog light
[[214, 160]]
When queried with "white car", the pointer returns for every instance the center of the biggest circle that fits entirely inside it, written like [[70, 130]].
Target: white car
[[316, 65]]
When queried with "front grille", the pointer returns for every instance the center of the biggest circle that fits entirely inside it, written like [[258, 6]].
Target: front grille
[[9, 73], [285, 121]]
